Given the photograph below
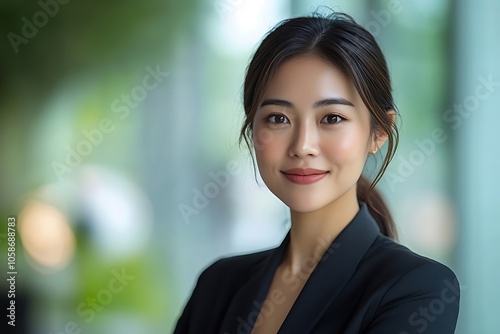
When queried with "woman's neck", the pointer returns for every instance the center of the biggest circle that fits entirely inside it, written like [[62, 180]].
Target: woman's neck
[[313, 232]]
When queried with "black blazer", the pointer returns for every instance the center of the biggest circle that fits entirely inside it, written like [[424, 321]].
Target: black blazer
[[364, 283]]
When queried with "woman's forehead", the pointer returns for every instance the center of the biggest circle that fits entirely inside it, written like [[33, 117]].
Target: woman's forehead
[[310, 79]]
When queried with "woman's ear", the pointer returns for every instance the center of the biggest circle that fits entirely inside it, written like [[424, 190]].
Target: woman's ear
[[380, 137]]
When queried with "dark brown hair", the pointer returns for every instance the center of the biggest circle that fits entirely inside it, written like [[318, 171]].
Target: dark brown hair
[[339, 40]]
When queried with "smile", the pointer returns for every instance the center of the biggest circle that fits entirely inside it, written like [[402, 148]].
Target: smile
[[305, 179]]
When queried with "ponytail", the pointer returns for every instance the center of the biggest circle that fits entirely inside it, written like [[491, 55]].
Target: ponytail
[[377, 207]]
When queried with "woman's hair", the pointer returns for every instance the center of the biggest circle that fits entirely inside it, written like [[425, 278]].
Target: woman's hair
[[339, 40]]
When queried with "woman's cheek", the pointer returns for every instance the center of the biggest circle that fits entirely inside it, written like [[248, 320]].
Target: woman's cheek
[[262, 138], [271, 151], [345, 147]]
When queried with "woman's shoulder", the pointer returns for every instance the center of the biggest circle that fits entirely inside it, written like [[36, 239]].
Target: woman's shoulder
[[408, 290], [395, 257], [400, 270]]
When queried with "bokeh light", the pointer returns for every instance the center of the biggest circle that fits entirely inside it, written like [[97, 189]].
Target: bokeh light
[[46, 236]]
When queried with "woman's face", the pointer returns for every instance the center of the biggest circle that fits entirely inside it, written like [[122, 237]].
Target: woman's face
[[311, 116]]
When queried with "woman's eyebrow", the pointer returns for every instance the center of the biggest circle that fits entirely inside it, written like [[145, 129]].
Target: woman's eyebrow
[[333, 100], [276, 102], [317, 104]]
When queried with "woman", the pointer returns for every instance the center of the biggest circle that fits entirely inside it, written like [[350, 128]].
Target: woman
[[318, 102]]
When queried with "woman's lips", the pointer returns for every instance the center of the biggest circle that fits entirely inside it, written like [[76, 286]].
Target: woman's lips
[[305, 179]]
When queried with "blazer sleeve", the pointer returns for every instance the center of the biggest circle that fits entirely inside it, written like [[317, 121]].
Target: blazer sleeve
[[184, 323], [425, 300], [202, 309]]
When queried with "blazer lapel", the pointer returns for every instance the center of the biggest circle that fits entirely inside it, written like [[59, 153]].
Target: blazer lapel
[[245, 305], [333, 271]]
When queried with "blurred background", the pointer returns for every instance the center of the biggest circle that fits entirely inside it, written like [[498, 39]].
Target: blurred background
[[120, 163]]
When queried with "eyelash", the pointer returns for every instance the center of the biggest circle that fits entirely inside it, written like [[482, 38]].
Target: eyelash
[[268, 118]]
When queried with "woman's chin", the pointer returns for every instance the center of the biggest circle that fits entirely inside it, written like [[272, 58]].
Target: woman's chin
[[302, 206]]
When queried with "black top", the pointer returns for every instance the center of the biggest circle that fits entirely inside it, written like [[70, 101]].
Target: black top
[[364, 283]]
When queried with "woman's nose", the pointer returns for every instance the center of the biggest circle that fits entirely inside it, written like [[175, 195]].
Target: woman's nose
[[305, 140]]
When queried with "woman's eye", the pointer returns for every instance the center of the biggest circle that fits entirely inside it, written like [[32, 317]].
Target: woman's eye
[[332, 119], [278, 119]]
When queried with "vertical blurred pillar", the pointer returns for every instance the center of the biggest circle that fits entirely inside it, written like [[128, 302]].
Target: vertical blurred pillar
[[474, 122]]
